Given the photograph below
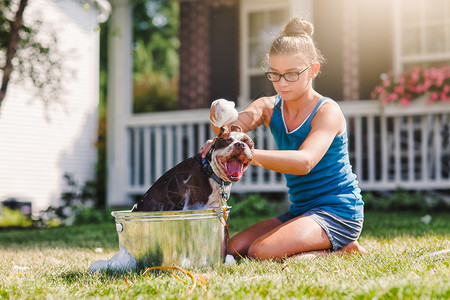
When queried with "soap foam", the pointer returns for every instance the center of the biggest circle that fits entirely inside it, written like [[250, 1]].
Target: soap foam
[[224, 112], [121, 262]]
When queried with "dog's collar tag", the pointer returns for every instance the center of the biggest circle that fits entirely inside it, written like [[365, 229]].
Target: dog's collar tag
[[208, 170], [223, 196]]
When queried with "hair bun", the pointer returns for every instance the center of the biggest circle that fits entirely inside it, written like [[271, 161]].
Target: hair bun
[[298, 27]]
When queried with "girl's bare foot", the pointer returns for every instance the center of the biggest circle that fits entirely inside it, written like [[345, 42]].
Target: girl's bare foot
[[353, 247]]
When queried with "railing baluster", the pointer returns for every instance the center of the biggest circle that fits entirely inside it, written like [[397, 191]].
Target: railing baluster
[[190, 139], [424, 134], [170, 149], [201, 135], [179, 143], [147, 156], [371, 148], [384, 149], [437, 148], [130, 158], [136, 156], [358, 148], [397, 150], [411, 149], [158, 152]]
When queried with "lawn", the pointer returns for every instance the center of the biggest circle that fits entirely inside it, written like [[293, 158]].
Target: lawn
[[53, 264]]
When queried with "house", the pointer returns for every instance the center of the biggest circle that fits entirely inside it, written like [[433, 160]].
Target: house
[[223, 43], [39, 142]]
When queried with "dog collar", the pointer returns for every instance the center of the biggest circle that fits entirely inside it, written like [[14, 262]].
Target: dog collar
[[209, 172]]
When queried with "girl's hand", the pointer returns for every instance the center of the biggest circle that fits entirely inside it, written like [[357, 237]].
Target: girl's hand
[[207, 147], [222, 112]]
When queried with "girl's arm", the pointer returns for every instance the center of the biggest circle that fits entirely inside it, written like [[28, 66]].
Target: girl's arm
[[327, 123], [257, 113]]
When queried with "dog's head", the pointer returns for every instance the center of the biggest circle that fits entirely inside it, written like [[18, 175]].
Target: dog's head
[[232, 153]]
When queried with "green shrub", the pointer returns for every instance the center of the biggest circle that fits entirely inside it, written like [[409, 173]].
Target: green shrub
[[154, 92], [14, 218], [78, 206], [251, 206], [401, 200], [91, 215]]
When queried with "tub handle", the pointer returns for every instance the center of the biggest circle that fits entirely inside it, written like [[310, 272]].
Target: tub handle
[[119, 227]]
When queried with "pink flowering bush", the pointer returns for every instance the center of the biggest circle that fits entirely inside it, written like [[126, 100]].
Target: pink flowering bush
[[409, 85]]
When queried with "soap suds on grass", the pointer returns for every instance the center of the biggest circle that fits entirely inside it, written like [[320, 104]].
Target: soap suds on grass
[[122, 261]]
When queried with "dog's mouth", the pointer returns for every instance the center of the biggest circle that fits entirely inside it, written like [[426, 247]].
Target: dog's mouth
[[234, 167]]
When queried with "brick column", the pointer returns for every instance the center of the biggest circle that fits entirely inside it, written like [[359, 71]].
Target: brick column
[[194, 55]]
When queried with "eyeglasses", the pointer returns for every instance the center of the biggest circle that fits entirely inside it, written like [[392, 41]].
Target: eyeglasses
[[290, 76]]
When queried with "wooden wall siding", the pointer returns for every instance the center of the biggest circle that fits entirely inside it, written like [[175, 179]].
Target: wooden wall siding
[[39, 143]]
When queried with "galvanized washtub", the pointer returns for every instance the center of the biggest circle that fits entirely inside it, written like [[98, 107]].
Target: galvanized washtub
[[192, 238]]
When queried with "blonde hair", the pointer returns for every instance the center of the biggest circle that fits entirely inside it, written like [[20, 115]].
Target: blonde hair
[[296, 38]]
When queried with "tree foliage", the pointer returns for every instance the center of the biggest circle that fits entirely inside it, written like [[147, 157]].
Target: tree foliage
[[155, 26], [156, 68], [156, 62], [23, 56]]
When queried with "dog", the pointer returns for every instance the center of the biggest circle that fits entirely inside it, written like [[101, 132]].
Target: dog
[[197, 183]]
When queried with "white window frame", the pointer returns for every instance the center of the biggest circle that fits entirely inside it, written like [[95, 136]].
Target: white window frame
[[400, 60], [247, 7]]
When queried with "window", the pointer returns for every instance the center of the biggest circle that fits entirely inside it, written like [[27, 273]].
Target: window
[[423, 31], [261, 23]]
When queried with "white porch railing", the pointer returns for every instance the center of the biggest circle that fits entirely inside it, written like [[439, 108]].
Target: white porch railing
[[390, 147]]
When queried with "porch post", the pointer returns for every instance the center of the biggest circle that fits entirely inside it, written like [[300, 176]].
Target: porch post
[[350, 59], [120, 94]]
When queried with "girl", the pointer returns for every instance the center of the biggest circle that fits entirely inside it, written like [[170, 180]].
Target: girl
[[326, 211]]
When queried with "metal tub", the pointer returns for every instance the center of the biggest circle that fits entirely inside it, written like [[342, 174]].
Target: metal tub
[[193, 238]]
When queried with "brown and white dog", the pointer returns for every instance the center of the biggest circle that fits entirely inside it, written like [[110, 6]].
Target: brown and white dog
[[195, 182]]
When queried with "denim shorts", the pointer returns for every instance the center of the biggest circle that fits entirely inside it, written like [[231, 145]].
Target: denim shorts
[[341, 231]]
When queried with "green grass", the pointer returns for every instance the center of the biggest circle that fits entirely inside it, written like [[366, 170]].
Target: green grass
[[396, 266]]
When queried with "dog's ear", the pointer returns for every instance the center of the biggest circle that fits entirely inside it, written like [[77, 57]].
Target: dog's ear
[[223, 130], [236, 128]]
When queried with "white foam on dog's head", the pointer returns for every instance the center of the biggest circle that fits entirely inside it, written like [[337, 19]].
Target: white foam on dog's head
[[224, 112]]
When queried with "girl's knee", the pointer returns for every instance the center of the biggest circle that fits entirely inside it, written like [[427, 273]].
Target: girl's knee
[[254, 252], [260, 251]]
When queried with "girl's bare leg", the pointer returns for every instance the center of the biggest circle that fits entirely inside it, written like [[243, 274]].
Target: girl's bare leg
[[300, 234], [272, 239], [242, 240]]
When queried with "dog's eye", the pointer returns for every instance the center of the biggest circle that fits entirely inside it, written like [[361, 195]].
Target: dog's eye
[[222, 143], [249, 142]]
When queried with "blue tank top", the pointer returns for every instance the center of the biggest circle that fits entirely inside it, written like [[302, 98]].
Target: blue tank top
[[331, 185]]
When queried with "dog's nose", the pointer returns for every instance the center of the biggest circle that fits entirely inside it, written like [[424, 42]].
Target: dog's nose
[[239, 145]]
